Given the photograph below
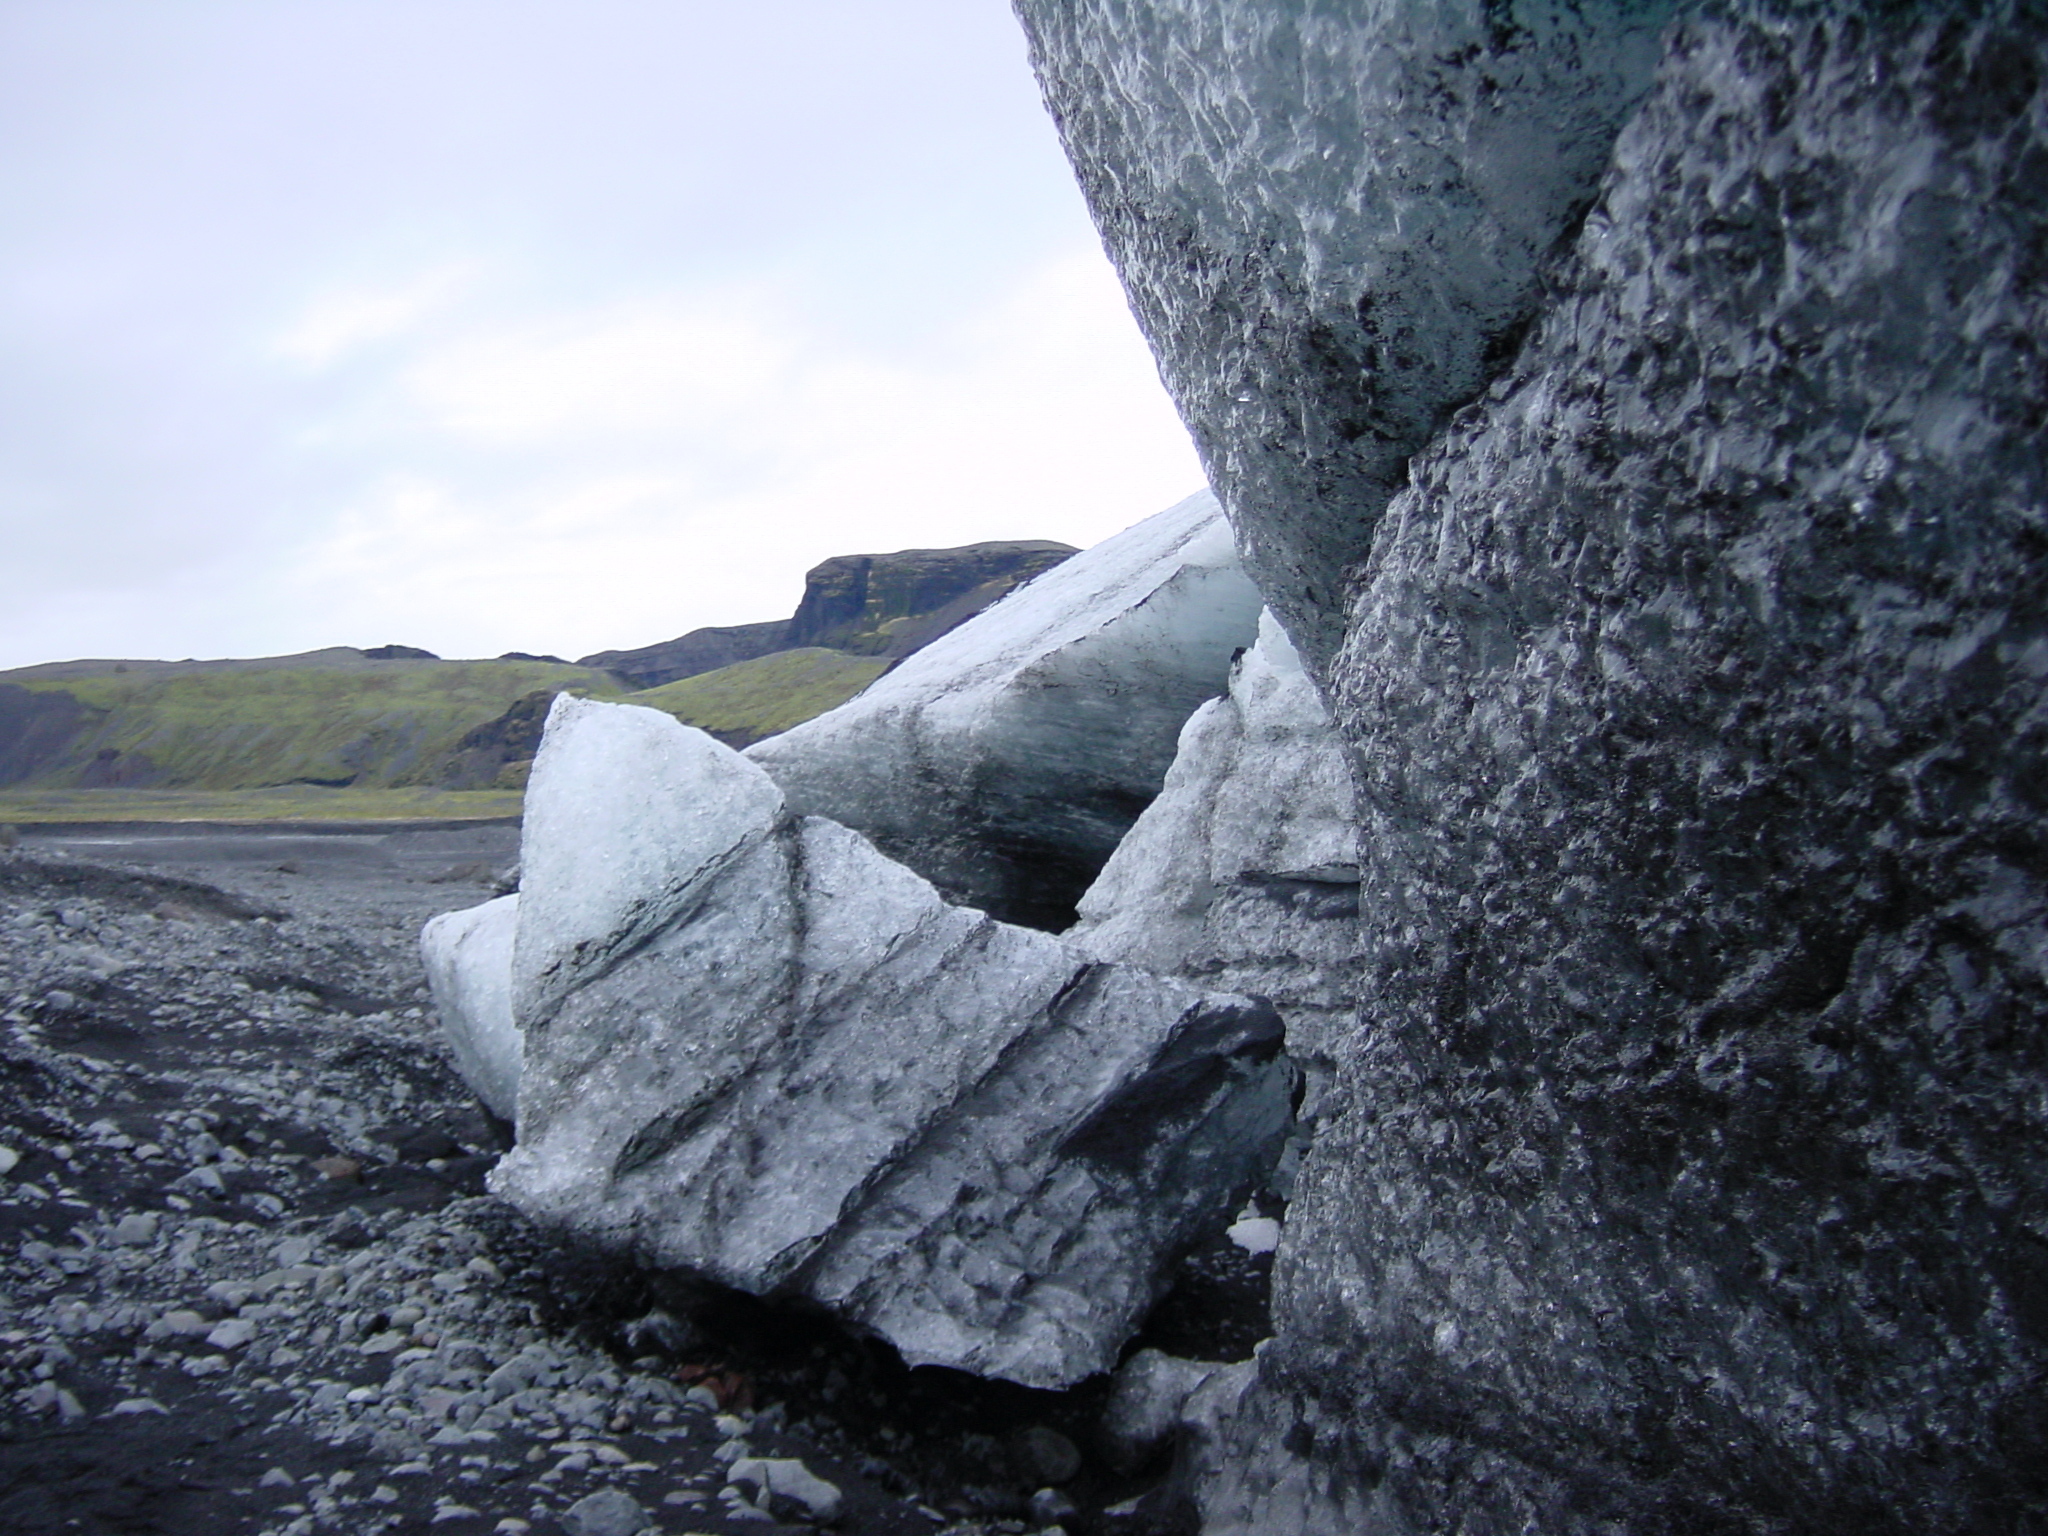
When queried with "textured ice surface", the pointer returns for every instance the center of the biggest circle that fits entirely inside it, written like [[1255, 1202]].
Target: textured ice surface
[[1687, 1169], [758, 1049], [469, 966], [604, 870], [1331, 221], [1243, 873], [1004, 761]]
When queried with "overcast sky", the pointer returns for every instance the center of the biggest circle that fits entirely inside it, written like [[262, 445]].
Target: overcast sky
[[548, 325]]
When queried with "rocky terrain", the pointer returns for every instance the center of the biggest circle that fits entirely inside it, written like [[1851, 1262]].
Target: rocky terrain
[[250, 1280], [1499, 989]]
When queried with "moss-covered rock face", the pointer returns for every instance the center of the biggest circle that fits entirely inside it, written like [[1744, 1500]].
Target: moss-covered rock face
[[752, 700], [891, 605], [864, 605]]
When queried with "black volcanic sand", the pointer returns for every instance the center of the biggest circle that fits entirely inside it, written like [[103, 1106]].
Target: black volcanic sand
[[251, 1281]]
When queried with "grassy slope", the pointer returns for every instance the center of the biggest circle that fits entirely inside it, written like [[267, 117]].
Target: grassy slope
[[386, 724], [229, 741], [298, 803], [751, 699]]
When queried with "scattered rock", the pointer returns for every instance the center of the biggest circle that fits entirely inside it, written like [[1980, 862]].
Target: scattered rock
[[1045, 1455], [1632, 415], [232, 1334], [1254, 1233]]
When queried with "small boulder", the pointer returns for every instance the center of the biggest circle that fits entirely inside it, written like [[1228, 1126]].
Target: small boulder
[[607, 1512], [1044, 1455], [786, 1481], [135, 1230]]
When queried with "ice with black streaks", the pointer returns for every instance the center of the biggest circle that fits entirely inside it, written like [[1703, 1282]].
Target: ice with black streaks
[[1243, 873], [1004, 762], [757, 1049]]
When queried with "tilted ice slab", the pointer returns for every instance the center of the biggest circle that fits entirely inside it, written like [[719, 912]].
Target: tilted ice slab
[[1004, 761], [1243, 873], [757, 1049], [469, 966]]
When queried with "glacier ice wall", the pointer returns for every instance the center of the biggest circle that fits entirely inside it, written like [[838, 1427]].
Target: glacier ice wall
[[1332, 222]]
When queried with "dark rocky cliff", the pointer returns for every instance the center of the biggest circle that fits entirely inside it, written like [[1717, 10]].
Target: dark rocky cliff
[[865, 605], [36, 729], [701, 650], [890, 605], [1686, 1170]]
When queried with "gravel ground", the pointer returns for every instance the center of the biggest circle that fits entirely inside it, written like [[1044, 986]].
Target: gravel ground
[[250, 1280]]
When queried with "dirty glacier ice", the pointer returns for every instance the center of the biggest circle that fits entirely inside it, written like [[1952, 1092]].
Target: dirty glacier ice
[[1678, 1175], [758, 1050], [1005, 761], [1243, 873], [468, 956]]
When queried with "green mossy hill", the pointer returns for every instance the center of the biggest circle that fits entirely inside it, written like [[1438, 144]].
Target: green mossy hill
[[398, 723], [330, 719], [293, 803], [749, 700]]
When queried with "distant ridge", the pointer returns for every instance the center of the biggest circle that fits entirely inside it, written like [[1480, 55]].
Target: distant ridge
[[399, 718], [882, 606]]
